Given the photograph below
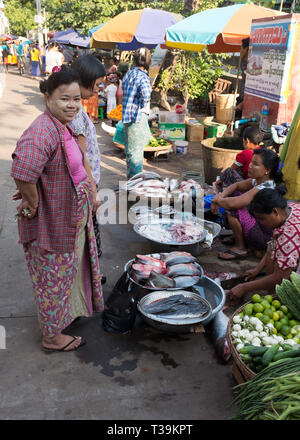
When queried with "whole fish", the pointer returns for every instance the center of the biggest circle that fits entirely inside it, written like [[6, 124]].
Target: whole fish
[[218, 328], [182, 269], [179, 257], [152, 183], [146, 269], [157, 280], [151, 261], [177, 306], [173, 184], [186, 281]]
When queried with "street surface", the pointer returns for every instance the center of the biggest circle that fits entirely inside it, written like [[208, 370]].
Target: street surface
[[145, 375]]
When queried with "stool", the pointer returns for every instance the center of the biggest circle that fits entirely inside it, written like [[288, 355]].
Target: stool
[[101, 112]]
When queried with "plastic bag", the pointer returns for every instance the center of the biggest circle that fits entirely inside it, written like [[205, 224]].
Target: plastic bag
[[120, 314]]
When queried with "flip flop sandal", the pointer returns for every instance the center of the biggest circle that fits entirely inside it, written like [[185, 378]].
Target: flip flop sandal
[[63, 349], [234, 254]]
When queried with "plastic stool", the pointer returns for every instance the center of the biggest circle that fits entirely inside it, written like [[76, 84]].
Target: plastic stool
[[100, 112]]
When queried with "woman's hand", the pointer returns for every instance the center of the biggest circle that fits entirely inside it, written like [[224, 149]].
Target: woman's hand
[[26, 210], [251, 274], [96, 202], [235, 293], [17, 196], [214, 207]]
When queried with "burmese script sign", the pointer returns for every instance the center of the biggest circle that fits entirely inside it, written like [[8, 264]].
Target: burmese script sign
[[269, 60]]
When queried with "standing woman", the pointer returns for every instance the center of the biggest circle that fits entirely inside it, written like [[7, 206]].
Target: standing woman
[[91, 73], [55, 221], [35, 61], [136, 108]]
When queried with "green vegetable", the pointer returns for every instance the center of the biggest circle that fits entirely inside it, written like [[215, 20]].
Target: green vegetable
[[246, 349], [269, 354], [295, 278], [257, 359], [256, 351], [287, 354], [290, 296], [272, 394], [287, 347]]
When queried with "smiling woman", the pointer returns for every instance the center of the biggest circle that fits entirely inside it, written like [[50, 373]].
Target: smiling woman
[[55, 215]]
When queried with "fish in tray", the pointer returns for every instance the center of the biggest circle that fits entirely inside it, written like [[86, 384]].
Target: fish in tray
[[182, 269], [217, 329], [142, 271], [159, 281], [186, 281], [144, 175], [177, 257], [177, 306]]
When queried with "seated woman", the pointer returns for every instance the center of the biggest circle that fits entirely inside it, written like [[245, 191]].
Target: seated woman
[[247, 231], [283, 252], [252, 140]]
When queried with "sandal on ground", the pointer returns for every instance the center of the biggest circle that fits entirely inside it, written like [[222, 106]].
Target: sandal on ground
[[83, 342], [235, 255]]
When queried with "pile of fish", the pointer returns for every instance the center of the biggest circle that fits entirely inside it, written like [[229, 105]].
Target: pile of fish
[[187, 232], [177, 306], [151, 184], [173, 270]]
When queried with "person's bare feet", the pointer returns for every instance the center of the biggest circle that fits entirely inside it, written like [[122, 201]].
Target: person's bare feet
[[61, 341]]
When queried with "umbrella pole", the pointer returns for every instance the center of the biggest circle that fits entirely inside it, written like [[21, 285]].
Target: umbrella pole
[[235, 93]]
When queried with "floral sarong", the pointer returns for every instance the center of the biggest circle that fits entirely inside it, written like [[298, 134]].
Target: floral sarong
[[67, 285]]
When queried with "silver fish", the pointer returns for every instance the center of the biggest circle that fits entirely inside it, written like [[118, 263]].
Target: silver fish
[[174, 184], [186, 280], [182, 269], [145, 175], [179, 257], [151, 183], [218, 335], [159, 281]]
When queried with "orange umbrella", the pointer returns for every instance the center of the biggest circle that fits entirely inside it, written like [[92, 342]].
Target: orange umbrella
[[132, 29]]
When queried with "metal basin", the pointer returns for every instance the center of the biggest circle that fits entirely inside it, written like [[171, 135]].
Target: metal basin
[[127, 268]]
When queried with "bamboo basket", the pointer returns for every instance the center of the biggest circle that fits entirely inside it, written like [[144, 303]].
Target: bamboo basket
[[240, 370]]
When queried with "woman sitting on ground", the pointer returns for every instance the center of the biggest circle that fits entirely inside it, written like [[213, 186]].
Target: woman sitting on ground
[[283, 252], [247, 231], [252, 140]]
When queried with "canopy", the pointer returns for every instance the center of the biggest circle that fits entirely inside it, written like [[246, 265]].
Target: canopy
[[94, 29], [133, 29], [71, 37], [220, 29], [7, 37]]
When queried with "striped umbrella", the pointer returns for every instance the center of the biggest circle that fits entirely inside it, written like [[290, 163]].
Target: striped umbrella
[[219, 29], [133, 29]]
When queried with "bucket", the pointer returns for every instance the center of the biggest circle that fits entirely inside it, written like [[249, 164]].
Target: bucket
[[224, 107], [181, 147]]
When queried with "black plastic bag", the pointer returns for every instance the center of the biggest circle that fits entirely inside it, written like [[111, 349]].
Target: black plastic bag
[[120, 314]]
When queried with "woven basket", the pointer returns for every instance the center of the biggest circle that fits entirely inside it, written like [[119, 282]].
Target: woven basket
[[242, 367]]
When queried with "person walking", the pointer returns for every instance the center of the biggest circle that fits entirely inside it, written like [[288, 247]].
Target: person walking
[[5, 53], [91, 72], [135, 110], [55, 216], [111, 92]]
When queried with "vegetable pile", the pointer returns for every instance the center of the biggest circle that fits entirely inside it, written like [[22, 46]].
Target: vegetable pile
[[289, 293], [272, 394], [263, 336], [156, 142]]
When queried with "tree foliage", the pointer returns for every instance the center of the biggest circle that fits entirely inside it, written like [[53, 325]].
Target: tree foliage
[[20, 14]]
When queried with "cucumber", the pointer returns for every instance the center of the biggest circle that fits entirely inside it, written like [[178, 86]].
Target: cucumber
[[287, 354], [259, 368], [287, 347], [269, 354], [257, 359], [256, 351], [245, 349], [247, 358]]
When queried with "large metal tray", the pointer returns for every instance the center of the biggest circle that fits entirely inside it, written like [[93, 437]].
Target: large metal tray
[[154, 296], [127, 268], [137, 228]]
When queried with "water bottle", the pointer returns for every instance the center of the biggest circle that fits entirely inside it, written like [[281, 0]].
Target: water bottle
[[264, 117]]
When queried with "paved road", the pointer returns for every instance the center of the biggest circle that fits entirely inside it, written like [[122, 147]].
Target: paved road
[[144, 375]]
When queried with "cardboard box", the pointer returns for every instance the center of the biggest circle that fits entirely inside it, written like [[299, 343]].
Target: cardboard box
[[172, 132], [213, 129], [194, 130]]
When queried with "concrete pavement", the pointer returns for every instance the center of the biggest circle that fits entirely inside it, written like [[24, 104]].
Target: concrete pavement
[[145, 375]]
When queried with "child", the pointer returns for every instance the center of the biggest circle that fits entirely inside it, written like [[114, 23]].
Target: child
[[252, 139], [111, 93], [283, 254]]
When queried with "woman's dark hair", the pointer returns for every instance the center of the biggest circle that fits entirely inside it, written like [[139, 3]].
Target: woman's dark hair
[[142, 57], [266, 200], [245, 42], [58, 79], [89, 68], [254, 135], [271, 162]]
